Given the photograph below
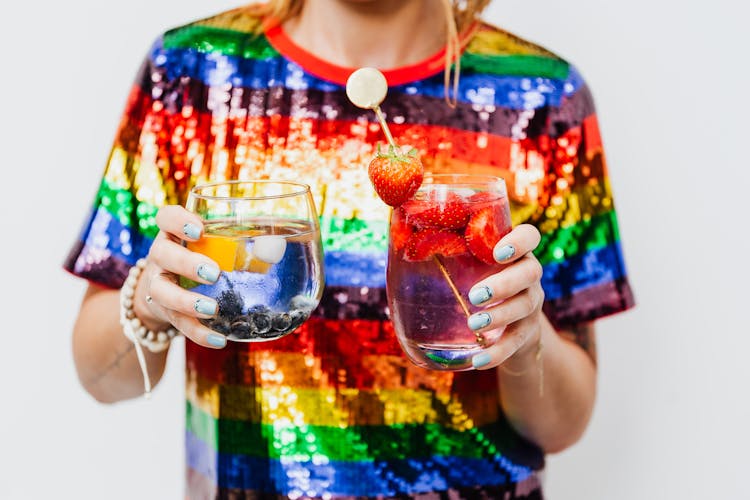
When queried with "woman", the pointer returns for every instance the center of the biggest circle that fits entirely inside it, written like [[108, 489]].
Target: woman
[[335, 409]]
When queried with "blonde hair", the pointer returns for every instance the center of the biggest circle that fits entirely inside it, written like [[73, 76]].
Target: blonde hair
[[460, 15]]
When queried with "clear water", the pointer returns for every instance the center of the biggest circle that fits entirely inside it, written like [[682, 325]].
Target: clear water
[[258, 300]]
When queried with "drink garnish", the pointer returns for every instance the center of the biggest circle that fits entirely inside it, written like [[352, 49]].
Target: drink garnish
[[482, 234], [366, 88], [425, 244], [395, 175], [230, 304], [222, 250], [444, 210], [401, 232]]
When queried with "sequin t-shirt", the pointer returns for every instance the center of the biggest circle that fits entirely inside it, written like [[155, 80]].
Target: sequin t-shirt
[[335, 409]]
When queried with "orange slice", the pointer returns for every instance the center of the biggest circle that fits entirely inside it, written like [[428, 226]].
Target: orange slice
[[221, 249]]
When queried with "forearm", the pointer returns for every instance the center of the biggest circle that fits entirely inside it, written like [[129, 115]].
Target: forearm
[[105, 359], [556, 416]]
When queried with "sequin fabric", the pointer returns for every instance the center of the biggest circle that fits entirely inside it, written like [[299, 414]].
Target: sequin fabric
[[335, 410]]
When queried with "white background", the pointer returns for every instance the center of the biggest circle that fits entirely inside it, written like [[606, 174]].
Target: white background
[[670, 79]]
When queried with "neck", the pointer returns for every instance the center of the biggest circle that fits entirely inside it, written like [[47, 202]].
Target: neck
[[383, 34]]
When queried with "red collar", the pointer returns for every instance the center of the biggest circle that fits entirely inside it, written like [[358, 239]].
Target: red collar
[[321, 68]]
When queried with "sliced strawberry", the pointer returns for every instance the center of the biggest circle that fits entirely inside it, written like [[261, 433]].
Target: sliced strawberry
[[414, 207], [424, 244], [400, 231], [478, 201], [449, 212], [485, 228]]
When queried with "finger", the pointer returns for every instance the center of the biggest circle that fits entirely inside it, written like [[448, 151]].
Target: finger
[[509, 311], [512, 280], [179, 222], [195, 331], [514, 245], [175, 258], [514, 338], [173, 297]]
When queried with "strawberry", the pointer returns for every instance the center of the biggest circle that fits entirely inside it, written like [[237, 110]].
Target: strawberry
[[396, 176], [485, 228], [481, 200], [448, 211], [400, 231], [424, 244]]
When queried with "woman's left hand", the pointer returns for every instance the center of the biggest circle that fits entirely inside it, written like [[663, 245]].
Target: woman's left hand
[[514, 299]]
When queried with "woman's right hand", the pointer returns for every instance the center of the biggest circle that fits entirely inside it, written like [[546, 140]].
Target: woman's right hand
[[169, 303]]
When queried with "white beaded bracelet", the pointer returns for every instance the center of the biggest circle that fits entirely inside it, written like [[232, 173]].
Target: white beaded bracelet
[[137, 331]]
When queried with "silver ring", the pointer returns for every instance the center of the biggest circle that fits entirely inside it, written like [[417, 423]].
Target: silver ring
[[149, 299]]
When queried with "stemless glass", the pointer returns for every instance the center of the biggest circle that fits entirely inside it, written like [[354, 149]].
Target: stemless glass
[[264, 235], [440, 245]]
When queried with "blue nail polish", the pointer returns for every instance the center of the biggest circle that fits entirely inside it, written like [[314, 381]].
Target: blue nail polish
[[216, 340], [504, 252], [480, 320], [191, 231], [204, 306], [208, 272], [480, 295], [480, 360]]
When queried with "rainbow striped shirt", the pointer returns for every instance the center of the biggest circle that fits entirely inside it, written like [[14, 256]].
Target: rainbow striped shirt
[[335, 410]]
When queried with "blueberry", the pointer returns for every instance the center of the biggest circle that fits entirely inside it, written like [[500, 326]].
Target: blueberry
[[262, 323], [218, 324], [258, 309], [281, 322], [241, 329], [230, 304], [298, 317]]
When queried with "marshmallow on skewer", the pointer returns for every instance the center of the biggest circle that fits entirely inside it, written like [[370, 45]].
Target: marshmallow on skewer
[[366, 88]]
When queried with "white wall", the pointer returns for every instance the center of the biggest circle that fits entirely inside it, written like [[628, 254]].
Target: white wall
[[670, 81]]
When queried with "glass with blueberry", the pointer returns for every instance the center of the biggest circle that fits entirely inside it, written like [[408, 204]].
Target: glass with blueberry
[[264, 236]]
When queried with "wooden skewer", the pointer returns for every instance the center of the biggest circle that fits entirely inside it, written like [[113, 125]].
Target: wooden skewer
[[384, 126], [452, 285], [457, 294]]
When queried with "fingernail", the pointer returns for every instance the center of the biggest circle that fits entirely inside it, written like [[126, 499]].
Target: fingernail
[[504, 252], [480, 295], [208, 272], [480, 360], [191, 231], [204, 306], [216, 340], [477, 321]]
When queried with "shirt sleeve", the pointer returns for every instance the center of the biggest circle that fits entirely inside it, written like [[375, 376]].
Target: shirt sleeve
[[584, 274], [120, 226]]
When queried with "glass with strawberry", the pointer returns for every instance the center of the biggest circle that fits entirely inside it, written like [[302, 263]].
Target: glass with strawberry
[[441, 243], [442, 233]]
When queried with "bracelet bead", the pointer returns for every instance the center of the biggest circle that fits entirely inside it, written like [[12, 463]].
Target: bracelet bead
[[135, 330], [132, 325]]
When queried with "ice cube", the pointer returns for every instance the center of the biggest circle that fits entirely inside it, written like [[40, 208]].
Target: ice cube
[[269, 248], [265, 251], [302, 303]]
